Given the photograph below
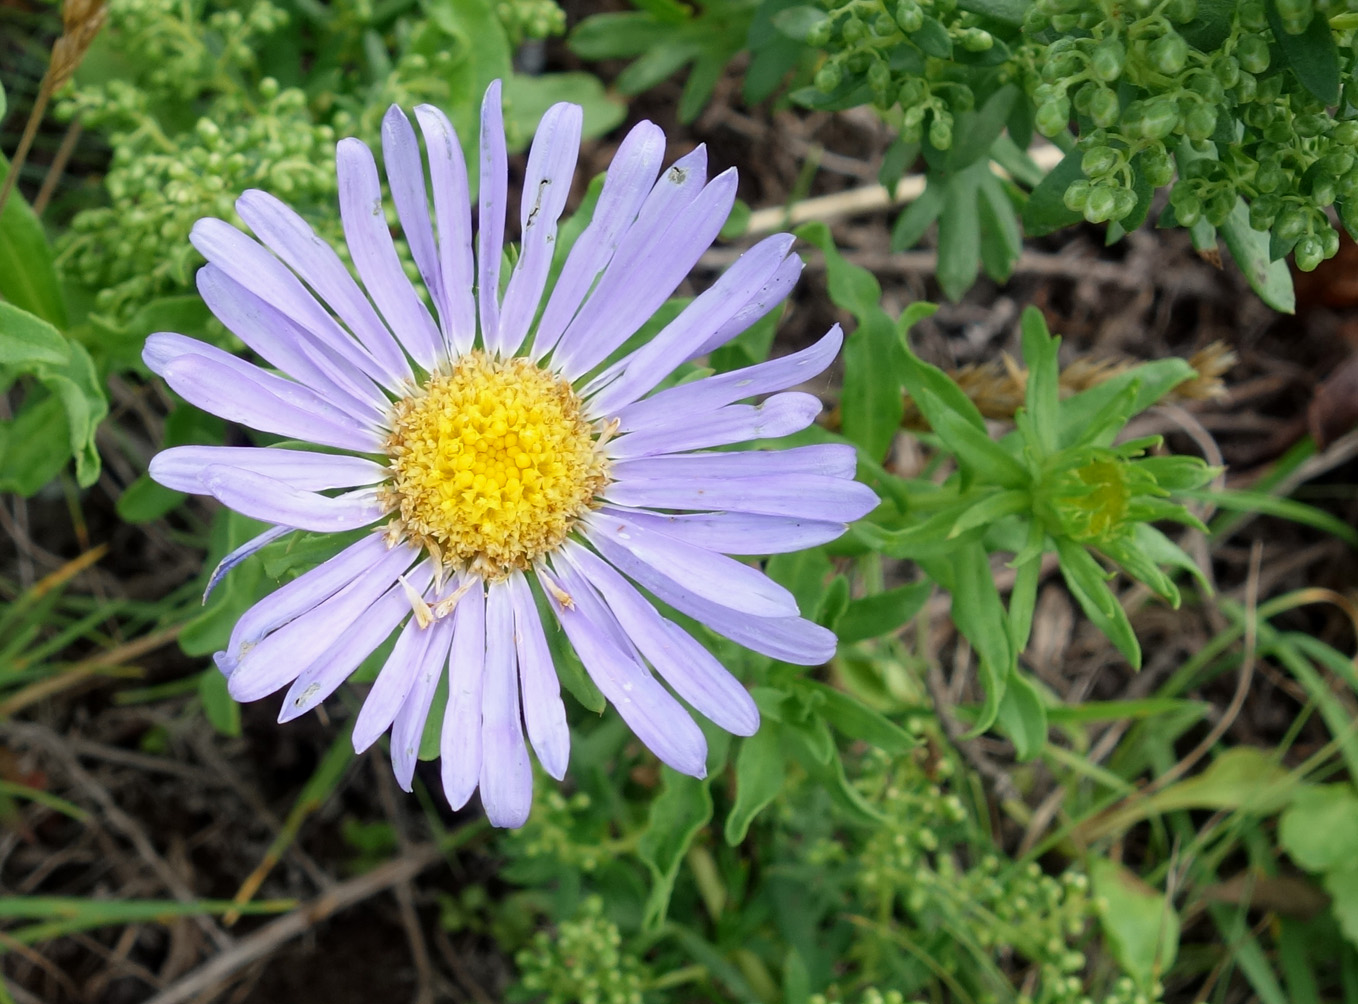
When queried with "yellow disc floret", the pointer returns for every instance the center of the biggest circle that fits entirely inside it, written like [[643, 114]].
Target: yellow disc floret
[[492, 464]]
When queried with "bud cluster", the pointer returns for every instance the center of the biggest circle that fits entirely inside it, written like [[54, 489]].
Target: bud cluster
[[1156, 94], [582, 962]]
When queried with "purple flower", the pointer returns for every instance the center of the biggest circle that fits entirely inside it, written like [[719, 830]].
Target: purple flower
[[506, 465]]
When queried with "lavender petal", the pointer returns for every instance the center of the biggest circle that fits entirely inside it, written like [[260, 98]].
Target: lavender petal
[[291, 238], [806, 496], [657, 719], [547, 183], [779, 415], [181, 468], [272, 501], [691, 670], [506, 775], [460, 737], [713, 392], [490, 238], [374, 254], [741, 532], [631, 175], [452, 213], [544, 714]]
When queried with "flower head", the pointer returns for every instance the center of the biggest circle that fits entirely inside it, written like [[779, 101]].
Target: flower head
[[510, 459]]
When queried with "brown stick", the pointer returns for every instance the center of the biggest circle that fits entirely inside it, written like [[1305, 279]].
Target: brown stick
[[267, 939]]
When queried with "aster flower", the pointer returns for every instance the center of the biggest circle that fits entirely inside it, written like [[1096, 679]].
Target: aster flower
[[507, 462]]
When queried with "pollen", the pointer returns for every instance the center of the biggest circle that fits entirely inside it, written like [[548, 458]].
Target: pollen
[[492, 464]]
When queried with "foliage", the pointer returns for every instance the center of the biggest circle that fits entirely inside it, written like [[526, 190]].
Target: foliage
[[856, 848], [1246, 110]]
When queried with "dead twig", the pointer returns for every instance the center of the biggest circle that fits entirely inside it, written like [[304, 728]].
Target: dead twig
[[269, 938]]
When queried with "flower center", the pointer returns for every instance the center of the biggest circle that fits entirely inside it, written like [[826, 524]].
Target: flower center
[[492, 464]]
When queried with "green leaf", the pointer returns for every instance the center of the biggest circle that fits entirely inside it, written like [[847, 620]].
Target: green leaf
[[798, 22], [1023, 717], [1045, 211], [873, 616], [1272, 505], [1151, 381], [144, 501], [1042, 396], [485, 57], [1269, 278], [871, 405], [221, 709], [959, 233], [979, 615], [1320, 828], [975, 131], [990, 508], [1139, 923], [1312, 55], [933, 39], [528, 98], [920, 377], [760, 773], [27, 341], [28, 279], [856, 721], [678, 814], [1342, 884], [974, 449], [1001, 237], [34, 446], [613, 36], [81, 393], [915, 219], [1088, 583], [1006, 11]]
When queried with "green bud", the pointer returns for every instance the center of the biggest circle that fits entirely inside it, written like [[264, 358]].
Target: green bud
[[1181, 11], [1329, 240], [1264, 212], [1311, 125], [913, 117], [1168, 54], [1227, 70], [1124, 201], [1104, 108], [912, 92], [1252, 16], [1100, 205], [1107, 59], [1200, 122], [1246, 88], [1098, 161], [1053, 117], [879, 76], [883, 26], [1187, 206], [1253, 54], [1323, 191], [820, 34], [1309, 253], [1345, 133], [1159, 116], [977, 40], [1156, 166], [1348, 184], [1291, 223], [940, 133], [827, 77], [1218, 207], [1270, 88], [1295, 15], [909, 16], [1077, 195], [1207, 85]]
